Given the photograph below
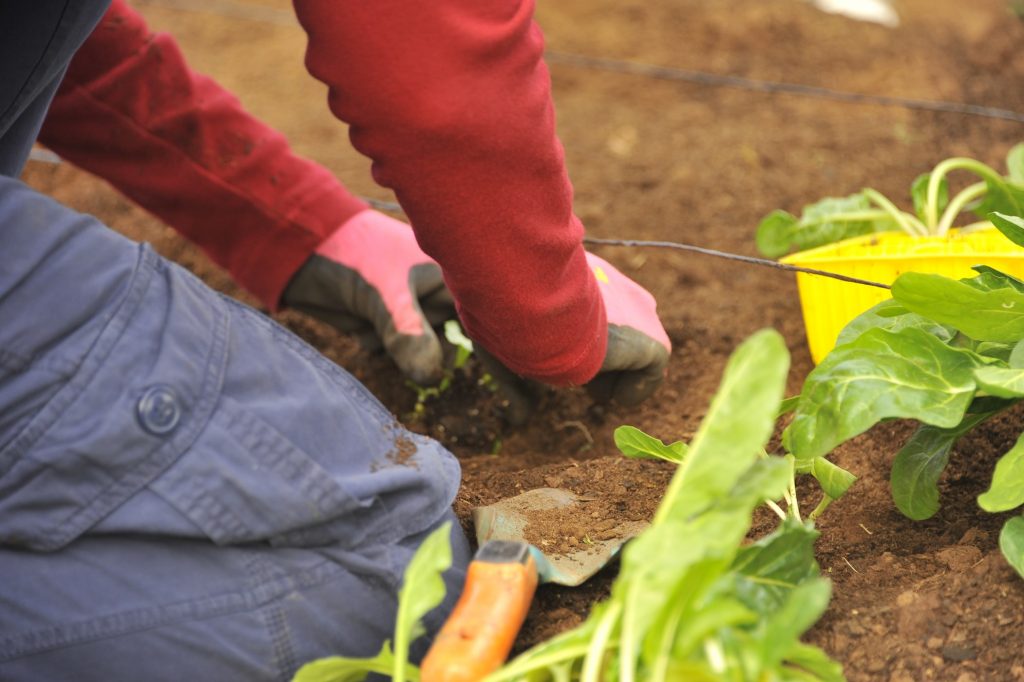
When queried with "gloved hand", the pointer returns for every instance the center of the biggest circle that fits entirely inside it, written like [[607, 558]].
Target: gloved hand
[[635, 362], [370, 277]]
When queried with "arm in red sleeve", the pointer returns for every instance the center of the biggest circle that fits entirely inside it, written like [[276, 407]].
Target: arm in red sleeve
[[451, 101], [131, 111]]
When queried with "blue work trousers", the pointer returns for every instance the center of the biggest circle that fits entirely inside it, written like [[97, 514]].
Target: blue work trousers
[[187, 490]]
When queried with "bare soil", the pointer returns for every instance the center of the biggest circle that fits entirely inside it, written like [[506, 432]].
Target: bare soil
[[654, 159]]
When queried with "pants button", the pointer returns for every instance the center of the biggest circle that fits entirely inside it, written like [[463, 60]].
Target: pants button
[[159, 410]]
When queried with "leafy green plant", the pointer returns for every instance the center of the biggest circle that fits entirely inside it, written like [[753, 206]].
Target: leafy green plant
[[834, 219], [692, 601], [422, 590], [947, 353]]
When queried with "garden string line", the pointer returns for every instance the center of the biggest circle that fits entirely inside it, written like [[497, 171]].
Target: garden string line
[[393, 207], [269, 15]]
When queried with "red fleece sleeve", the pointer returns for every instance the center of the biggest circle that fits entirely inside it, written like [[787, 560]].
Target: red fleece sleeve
[[131, 111], [451, 100]]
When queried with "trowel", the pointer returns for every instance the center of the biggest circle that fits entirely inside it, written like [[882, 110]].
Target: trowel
[[503, 576]]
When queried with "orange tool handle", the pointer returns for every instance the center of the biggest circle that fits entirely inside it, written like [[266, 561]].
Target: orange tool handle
[[481, 629]]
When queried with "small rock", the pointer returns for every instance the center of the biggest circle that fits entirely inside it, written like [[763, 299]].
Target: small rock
[[958, 652], [934, 642], [960, 557], [967, 677]]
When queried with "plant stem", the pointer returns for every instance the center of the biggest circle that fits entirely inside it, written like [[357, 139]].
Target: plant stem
[[931, 204], [795, 504], [776, 508], [820, 509], [974, 227], [957, 205], [519, 669], [594, 661], [907, 222]]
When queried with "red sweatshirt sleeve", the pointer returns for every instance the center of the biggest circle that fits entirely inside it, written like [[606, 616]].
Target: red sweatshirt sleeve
[[131, 111], [451, 100]]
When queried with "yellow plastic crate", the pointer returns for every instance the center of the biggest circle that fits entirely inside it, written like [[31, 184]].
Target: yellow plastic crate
[[829, 304]]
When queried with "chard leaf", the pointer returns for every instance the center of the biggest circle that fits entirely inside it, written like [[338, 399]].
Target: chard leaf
[[996, 351], [996, 315], [766, 479], [1015, 164], [919, 193], [1011, 226], [1007, 489], [1017, 356], [893, 316], [834, 479], [633, 442], [768, 570], [722, 612], [340, 669], [830, 220], [919, 464], [1002, 382], [737, 425], [422, 589], [787, 406], [882, 374], [1001, 196], [803, 607], [1011, 542], [815, 661], [775, 233], [990, 279]]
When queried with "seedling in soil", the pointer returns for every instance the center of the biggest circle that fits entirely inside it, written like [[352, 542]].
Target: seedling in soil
[[834, 219], [463, 351], [947, 353]]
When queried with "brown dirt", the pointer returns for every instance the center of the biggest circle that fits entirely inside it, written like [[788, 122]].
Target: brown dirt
[[662, 160]]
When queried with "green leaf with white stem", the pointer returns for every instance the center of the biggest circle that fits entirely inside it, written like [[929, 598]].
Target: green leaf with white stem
[[834, 479], [882, 374], [770, 568], [919, 464], [737, 425], [1001, 196], [996, 315], [774, 233], [803, 607], [1016, 360], [990, 279], [919, 193], [1007, 489], [423, 589], [1015, 164], [1011, 543], [633, 442], [788, 405], [893, 316], [1002, 382], [816, 662], [830, 220], [1011, 226], [340, 669]]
